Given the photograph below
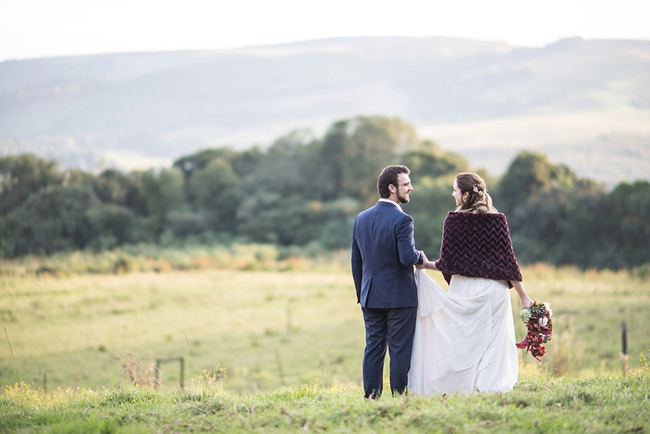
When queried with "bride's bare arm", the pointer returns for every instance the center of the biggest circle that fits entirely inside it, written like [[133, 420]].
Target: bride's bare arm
[[524, 300], [426, 264], [431, 265]]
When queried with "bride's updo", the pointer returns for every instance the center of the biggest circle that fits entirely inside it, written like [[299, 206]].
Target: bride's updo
[[477, 200]]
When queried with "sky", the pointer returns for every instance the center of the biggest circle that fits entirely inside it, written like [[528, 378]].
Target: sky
[[49, 28]]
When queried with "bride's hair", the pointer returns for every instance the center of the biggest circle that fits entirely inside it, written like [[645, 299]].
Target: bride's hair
[[477, 200]]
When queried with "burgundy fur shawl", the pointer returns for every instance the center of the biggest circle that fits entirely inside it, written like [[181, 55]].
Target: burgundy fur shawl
[[477, 245]]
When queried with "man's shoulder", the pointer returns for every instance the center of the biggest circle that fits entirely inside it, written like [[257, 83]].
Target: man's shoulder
[[363, 216], [366, 211], [383, 210], [379, 207]]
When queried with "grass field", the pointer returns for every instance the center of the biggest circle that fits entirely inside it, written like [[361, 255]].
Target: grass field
[[603, 404], [269, 329]]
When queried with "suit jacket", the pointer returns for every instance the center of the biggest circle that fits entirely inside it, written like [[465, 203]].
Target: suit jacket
[[383, 255]]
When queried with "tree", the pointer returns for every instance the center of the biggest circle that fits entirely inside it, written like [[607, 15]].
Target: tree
[[553, 215], [163, 192], [110, 225], [355, 151], [51, 220], [529, 174], [213, 189], [23, 175], [242, 163], [629, 205], [429, 161], [115, 187]]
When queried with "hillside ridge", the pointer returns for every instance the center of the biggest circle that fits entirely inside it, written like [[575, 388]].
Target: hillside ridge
[[97, 110]]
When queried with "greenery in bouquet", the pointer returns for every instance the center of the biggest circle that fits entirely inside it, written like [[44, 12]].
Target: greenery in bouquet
[[540, 328]]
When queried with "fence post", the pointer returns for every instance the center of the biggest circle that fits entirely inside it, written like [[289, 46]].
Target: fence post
[[171, 359], [623, 354], [182, 372], [288, 318], [280, 369]]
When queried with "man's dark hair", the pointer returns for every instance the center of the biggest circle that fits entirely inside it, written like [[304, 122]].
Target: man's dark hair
[[389, 176]]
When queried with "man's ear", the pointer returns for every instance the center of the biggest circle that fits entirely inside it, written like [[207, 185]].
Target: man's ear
[[391, 188]]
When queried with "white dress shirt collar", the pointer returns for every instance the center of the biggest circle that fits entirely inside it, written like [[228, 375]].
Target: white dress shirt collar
[[381, 199]]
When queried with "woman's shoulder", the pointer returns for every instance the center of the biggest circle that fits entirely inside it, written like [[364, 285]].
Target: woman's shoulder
[[459, 215], [464, 220]]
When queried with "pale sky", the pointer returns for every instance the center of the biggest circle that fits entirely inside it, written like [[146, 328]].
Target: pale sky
[[47, 28]]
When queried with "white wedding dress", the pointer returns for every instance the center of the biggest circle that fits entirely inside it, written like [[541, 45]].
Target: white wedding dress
[[464, 339]]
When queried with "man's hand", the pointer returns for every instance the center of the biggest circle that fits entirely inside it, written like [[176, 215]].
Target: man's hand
[[422, 266]]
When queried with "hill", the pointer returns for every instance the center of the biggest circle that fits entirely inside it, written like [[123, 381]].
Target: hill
[[476, 98]]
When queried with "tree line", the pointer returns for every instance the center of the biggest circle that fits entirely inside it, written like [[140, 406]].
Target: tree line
[[305, 191]]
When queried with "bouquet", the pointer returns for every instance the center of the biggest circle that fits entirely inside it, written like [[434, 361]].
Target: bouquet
[[540, 328]]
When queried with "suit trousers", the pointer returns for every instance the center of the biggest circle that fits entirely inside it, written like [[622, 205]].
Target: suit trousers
[[393, 327]]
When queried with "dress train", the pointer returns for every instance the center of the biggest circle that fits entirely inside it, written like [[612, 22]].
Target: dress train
[[464, 339]]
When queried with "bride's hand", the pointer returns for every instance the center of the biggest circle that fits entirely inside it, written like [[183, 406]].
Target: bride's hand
[[525, 302]]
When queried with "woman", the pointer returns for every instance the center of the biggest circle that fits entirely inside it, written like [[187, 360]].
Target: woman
[[464, 338]]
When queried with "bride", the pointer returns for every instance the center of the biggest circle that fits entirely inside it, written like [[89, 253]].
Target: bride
[[465, 338]]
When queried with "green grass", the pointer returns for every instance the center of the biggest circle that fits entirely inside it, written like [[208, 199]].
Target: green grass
[[155, 258], [291, 345], [590, 405], [269, 328], [72, 328]]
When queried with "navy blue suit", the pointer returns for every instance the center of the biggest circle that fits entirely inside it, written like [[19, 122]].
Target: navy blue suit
[[383, 256]]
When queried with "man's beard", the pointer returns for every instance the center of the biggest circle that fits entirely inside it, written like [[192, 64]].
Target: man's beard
[[404, 198]]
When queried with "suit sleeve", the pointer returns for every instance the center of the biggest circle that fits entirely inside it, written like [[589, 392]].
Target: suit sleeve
[[408, 255], [357, 267]]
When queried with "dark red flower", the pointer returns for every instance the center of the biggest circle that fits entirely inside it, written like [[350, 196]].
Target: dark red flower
[[536, 333], [523, 344]]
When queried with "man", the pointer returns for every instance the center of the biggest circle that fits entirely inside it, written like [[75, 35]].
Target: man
[[383, 256]]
